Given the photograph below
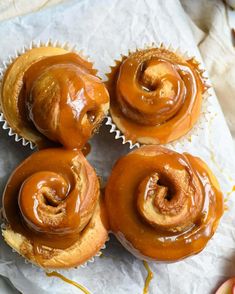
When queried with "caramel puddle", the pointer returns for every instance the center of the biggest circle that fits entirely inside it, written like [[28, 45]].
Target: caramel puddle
[[55, 274], [148, 278]]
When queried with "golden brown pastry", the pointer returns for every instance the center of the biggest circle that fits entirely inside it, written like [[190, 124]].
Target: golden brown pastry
[[163, 205], [54, 214], [52, 93], [155, 95]]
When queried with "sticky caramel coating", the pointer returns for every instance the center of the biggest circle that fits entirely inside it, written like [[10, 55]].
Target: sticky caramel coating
[[52, 94], [52, 207], [155, 95], [162, 205]]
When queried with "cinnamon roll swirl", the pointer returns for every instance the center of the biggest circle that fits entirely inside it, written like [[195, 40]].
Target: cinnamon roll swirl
[[155, 95], [53, 210], [52, 94], [163, 205]]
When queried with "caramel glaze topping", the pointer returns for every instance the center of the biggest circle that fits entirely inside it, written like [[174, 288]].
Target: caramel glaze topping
[[56, 97], [163, 205], [156, 95], [50, 198]]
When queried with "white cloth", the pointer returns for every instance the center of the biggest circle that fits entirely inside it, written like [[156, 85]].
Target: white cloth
[[214, 39], [13, 8]]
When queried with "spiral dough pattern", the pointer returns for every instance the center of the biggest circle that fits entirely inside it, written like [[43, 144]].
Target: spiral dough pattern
[[170, 203], [156, 95], [52, 200]]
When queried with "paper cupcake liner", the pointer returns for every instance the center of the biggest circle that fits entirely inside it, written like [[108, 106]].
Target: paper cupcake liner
[[205, 108], [94, 258], [8, 62], [91, 260]]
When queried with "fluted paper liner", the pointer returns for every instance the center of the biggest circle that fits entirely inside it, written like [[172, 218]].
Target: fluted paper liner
[[205, 107], [27, 261]]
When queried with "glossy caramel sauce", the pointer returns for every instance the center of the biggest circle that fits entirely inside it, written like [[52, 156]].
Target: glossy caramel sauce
[[50, 199], [86, 149], [63, 278], [148, 278], [56, 98], [156, 95], [170, 203]]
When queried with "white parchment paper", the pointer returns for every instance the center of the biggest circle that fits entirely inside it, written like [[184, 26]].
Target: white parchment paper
[[104, 29]]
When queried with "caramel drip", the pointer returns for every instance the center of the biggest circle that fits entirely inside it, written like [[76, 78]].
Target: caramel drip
[[228, 195], [156, 95], [170, 203], [221, 170], [50, 199], [232, 191], [212, 153], [148, 278], [63, 278], [56, 98]]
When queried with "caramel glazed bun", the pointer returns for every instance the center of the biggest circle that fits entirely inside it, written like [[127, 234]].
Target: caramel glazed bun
[[53, 210], [170, 203], [51, 93], [155, 95]]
